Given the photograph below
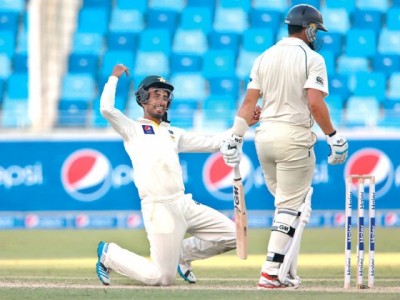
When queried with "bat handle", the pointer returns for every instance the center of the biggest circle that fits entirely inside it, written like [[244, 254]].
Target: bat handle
[[237, 175]]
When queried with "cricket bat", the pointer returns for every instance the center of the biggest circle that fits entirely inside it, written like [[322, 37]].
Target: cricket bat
[[240, 214]]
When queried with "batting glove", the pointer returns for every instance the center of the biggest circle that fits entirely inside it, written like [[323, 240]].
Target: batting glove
[[231, 150], [339, 148]]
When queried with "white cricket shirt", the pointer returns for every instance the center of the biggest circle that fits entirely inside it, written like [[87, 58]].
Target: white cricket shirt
[[153, 149], [282, 73]]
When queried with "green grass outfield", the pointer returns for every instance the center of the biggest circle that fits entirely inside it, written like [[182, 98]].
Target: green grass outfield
[[59, 264]]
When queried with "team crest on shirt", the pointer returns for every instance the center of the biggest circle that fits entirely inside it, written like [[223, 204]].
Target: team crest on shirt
[[147, 129], [319, 80]]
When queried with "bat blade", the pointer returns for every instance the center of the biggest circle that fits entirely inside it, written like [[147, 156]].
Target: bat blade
[[240, 215]]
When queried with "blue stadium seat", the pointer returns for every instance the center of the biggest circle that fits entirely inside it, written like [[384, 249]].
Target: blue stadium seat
[[189, 86], [15, 114], [393, 18], [336, 104], [262, 18], [338, 85], [123, 90], [224, 41], [361, 111], [78, 87], [225, 86], [139, 5], [189, 42], [93, 20], [92, 43], [213, 108], [381, 5], [72, 113], [13, 5], [96, 119], [123, 41], [315, 3], [155, 40], [391, 114], [245, 63], [176, 5], [336, 19], [360, 42], [97, 3], [257, 40], [7, 42], [123, 20], [386, 63], [369, 84], [367, 19], [148, 63], [281, 6], [389, 41], [241, 4], [230, 19], [83, 63], [22, 42], [201, 3], [348, 5], [133, 110], [9, 20], [113, 57], [161, 18], [197, 18], [332, 41], [20, 63], [330, 61], [393, 91], [349, 65], [5, 66], [218, 63], [185, 63], [17, 86], [2, 87], [182, 113]]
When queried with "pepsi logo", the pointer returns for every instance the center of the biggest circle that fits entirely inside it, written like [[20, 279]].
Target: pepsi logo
[[372, 162], [31, 221], [390, 219], [86, 175], [133, 220], [82, 221], [339, 219], [218, 177]]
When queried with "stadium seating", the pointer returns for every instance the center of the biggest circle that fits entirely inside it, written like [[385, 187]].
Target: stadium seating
[[207, 49]]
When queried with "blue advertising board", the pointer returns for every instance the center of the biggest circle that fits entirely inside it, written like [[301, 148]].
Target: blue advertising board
[[95, 176]]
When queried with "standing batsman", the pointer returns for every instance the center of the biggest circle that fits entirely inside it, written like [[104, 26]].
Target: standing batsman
[[168, 213], [291, 78]]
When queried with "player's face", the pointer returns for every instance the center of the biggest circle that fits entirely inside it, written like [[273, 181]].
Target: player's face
[[157, 104]]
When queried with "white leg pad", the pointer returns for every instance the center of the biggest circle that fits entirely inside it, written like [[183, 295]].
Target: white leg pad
[[292, 253]]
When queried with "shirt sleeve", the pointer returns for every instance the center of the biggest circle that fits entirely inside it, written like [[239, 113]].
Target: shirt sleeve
[[194, 142], [114, 116], [317, 78], [254, 82]]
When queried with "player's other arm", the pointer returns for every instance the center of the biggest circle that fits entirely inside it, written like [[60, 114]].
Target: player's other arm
[[337, 144], [319, 110], [107, 101]]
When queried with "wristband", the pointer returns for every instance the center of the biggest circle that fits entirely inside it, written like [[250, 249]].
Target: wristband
[[240, 126], [332, 134]]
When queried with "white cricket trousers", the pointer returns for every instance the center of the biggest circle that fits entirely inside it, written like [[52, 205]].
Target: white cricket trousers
[[166, 224], [286, 155]]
